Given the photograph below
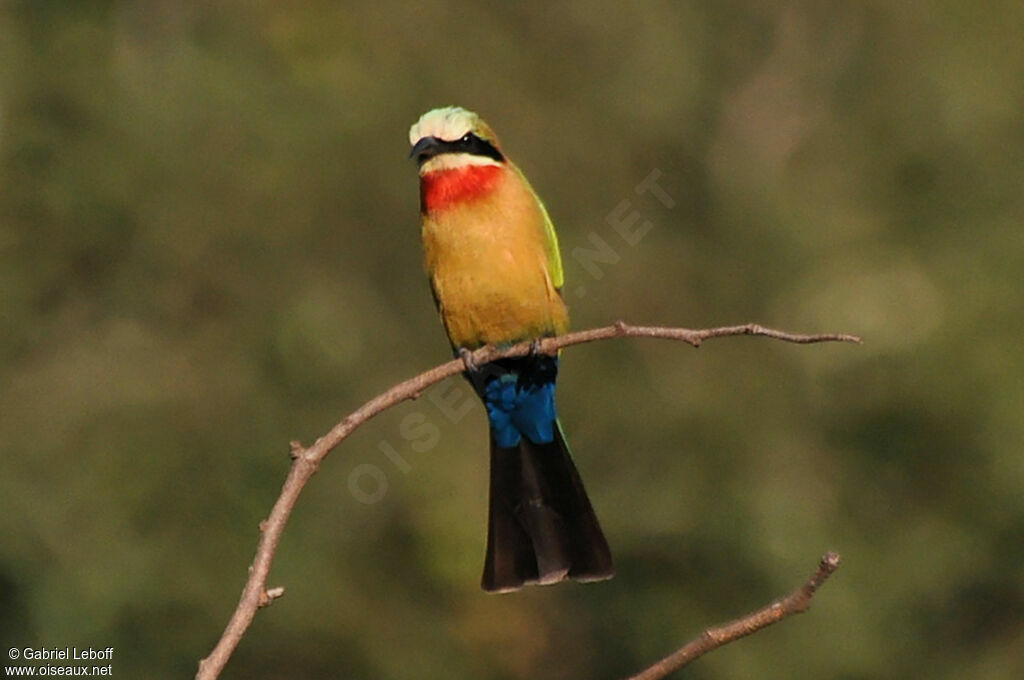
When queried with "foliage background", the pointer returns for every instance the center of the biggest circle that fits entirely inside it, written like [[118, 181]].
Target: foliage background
[[209, 246]]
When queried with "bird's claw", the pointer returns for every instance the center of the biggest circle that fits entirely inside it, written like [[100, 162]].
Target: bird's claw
[[468, 360]]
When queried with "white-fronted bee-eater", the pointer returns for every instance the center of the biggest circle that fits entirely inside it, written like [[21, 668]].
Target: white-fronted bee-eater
[[492, 257]]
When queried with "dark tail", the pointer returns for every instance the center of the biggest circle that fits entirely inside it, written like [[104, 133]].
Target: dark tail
[[542, 528]]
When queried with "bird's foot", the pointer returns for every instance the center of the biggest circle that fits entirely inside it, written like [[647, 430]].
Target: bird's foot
[[467, 359]]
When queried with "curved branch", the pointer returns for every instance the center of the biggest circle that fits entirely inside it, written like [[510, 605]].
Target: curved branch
[[796, 602], [306, 460]]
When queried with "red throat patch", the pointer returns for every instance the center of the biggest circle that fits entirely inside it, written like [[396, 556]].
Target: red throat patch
[[444, 188]]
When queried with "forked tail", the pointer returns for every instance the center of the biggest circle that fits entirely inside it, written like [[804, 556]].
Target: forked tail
[[542, 528]]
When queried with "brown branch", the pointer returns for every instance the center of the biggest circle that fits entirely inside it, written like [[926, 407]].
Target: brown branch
[[796, 602], [306, 460]]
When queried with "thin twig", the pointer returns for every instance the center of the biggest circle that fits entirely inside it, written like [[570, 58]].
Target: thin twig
[[306, 460], [796, 602]]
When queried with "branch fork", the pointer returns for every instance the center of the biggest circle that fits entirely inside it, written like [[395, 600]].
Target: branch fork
[[306, 461]]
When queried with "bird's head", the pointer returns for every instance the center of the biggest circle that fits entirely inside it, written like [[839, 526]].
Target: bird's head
[[453, 137]]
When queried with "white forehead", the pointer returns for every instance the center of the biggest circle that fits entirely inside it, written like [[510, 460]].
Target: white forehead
[[449, 124]]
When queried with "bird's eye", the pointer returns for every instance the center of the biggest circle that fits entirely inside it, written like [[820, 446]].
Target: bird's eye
[[467, 138]]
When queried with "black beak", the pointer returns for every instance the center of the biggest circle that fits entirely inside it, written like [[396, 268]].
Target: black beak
[[426, 148]]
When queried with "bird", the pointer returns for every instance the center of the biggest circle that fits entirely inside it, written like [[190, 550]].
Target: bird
[[491, 255]]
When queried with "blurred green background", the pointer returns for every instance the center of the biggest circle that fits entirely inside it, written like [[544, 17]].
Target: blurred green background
[[209, 246]]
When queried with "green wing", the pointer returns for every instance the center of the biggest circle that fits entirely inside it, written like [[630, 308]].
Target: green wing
[[550, 238]]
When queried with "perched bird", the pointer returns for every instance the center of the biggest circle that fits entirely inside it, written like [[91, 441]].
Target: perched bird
[[492, 257]]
